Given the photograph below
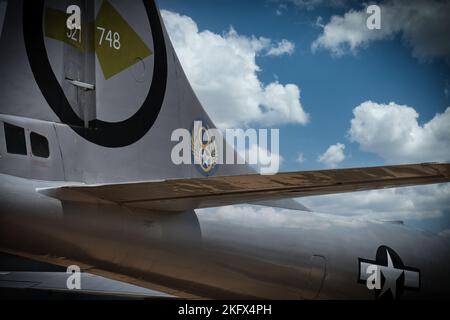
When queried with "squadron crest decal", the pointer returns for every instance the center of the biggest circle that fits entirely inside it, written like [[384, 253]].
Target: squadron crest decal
[[387, 276], [204, 149]]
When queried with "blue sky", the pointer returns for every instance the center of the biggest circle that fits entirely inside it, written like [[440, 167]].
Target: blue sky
[[331, 87], [394, 66]]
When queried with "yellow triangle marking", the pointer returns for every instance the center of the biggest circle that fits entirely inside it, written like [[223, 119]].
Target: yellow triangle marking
[[55, 28], [117, 45]]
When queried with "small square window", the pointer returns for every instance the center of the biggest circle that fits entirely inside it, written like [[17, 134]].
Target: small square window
[[39, 145], [15, 139]]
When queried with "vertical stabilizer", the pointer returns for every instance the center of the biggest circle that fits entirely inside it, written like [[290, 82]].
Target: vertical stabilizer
[[108, 96]]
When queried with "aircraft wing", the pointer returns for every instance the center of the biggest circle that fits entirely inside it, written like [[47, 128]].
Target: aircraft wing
[[184, 194]]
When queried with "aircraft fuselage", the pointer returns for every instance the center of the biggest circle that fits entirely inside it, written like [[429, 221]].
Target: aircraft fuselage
[[285, 255]]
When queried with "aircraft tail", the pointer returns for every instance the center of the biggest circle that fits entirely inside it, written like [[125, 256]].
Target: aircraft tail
[[97, 104]]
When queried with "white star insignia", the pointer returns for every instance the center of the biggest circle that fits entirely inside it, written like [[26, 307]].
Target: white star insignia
[[391, 274]]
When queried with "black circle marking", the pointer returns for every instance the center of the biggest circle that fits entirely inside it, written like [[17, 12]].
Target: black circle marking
[[107, 134]]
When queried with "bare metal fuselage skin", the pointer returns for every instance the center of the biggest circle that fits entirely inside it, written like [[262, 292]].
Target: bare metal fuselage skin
[[284, 254], [289, 255]]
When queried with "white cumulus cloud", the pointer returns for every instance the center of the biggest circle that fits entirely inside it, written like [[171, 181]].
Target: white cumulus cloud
[[261, 216], [313, 4], [405, 204], [267, 161], [300, 158], [420, 202], [393, 132], [333, 156], [423, 25], [223, 71], [283, 47]]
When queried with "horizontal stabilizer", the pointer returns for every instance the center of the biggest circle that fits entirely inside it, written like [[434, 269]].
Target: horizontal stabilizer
[[184, 194], [290, 204]]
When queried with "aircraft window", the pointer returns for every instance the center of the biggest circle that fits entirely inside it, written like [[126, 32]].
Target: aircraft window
[[15, 139], [39, 145]]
